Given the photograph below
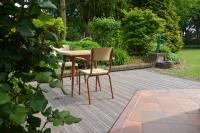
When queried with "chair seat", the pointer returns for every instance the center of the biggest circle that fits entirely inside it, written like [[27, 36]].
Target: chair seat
[[68, 64], [97, 71]]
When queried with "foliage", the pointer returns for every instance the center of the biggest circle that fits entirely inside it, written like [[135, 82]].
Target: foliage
[[164, 48], [173, 57], [194, 23], [140, 28], [81, 12], [184, 10], [26, 55], [165, 9], [104, 30], [82, 44], [73, 32], [48, 23], [121, 57], [169, 55]]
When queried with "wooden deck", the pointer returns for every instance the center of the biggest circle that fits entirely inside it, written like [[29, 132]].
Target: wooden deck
[[100, 116]]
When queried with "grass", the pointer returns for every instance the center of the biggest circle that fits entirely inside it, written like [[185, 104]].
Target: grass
[[189, 67], [191, 59]]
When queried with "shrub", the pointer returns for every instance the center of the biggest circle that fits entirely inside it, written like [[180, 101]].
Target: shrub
[[140, 28], [173, 57], [105, 31], [120, 57], [165, 9], [48, 23], [164, 49], [73, 32], [83, 44]]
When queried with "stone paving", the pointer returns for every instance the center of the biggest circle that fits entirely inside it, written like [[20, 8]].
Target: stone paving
[[161, 111]]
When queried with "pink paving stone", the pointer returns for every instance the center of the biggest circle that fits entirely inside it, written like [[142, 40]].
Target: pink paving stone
[[173, 111]]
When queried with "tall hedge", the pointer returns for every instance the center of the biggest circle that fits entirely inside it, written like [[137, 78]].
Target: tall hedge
[[140, 28], [165, 9], [105, 31]]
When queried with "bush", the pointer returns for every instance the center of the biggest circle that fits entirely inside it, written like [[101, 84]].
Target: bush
[[173, 57], [83, 44], [48, 23], [164, 49], [120, 57], [73, 32], [165, 9], [105, 31], [140, 28]]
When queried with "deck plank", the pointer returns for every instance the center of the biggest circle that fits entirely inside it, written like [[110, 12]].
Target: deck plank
[[100, 116]]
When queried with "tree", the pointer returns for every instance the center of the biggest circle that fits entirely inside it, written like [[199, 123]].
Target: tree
[[79, 13], [26, 55], [184, 10], [140, 28], [63, 16], [165, 9]]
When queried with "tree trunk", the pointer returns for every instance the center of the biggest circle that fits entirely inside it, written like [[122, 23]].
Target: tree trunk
[[63, 16]]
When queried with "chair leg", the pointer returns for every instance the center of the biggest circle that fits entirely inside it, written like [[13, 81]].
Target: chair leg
[[79, 83], [85, 78], [76, 71], [96, 84], [99, 82], [88, 89], [111, 86]]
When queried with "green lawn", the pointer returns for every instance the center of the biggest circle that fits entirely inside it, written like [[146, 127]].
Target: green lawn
[[189, 67], [191, 61]]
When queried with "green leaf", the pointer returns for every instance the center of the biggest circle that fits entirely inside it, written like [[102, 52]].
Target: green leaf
[[47, 112], [4, 87], [34, 121], [38, 102], [35, 10], [18, 115], [48, 130], [71, 119], [1, 121], [3, 76], [55, 83], [63, 114], [43, 77], [25, 28], [57, 122], [27, 77], [50, 36], [47, 4], [4, 98]]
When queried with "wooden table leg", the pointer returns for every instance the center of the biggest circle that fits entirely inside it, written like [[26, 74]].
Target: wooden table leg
[[72, 75]]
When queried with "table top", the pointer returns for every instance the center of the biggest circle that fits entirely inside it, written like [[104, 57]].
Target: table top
[[72, 53]]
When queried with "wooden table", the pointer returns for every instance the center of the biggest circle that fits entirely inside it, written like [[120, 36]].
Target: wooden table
[[72, 54]]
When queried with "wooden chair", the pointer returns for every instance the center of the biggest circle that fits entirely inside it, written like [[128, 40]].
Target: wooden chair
[[98, 54]]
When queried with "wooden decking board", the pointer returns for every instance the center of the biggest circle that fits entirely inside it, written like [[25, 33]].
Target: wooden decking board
[[104, 111]]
